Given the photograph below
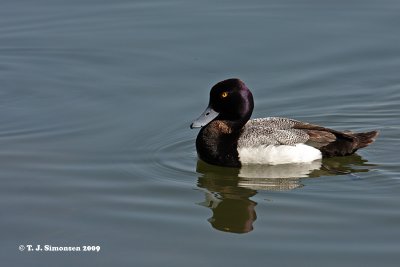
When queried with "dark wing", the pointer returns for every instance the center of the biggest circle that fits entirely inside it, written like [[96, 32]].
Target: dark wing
[[335, 143], [320, 137]]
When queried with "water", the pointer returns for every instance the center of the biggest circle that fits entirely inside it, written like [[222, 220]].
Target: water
[[96, 102]]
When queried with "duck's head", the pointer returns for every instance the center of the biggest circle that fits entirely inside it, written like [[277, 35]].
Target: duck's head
[[230, 100]]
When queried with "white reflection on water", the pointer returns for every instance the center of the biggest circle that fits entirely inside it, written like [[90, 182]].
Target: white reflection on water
[[279, 171], [228, 190]]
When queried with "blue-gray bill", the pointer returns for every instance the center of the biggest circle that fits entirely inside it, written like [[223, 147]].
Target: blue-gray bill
[[206, 117]]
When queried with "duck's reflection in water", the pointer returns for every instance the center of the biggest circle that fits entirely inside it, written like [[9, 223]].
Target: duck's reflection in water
[[232, 209], [228, 190]]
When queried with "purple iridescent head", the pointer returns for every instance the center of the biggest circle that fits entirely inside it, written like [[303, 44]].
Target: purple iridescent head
[[230, 100]]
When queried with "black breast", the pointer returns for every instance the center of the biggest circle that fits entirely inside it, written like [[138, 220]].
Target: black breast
[[216, 144]]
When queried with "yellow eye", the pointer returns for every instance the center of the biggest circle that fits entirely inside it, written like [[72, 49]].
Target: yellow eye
[[224, 94]]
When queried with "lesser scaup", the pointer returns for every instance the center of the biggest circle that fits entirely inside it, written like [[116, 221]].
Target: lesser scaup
[[229, 138]]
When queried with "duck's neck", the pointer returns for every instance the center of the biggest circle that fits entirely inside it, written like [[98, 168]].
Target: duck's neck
[[242, 120], [245, 109], [236, 125]]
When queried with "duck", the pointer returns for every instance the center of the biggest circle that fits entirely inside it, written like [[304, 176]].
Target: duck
[[229, 137]]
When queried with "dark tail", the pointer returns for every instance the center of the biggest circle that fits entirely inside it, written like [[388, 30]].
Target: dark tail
[[364, 139], [347, 143]]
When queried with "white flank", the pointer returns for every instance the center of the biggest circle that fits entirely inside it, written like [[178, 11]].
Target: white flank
[[278, 154]]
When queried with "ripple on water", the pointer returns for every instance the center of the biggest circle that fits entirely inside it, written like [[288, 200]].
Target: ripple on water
[[170, 154]]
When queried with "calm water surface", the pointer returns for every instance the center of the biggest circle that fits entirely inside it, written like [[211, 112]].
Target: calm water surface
[[96, 100]]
